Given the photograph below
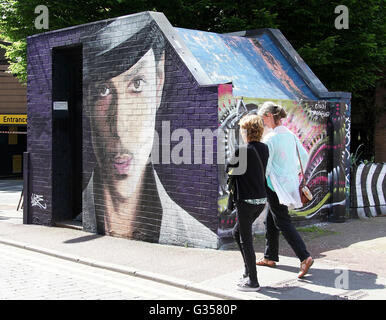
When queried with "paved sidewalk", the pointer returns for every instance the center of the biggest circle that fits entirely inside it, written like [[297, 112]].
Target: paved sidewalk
[[350, 258]]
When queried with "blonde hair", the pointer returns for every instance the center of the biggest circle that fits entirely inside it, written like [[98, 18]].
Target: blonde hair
[[253, 124], [276, 110]]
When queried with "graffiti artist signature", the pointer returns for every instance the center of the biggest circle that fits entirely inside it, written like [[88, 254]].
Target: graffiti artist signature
[[37, 200]]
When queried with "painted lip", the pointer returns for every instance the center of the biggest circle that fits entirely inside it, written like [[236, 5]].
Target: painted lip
[[122, 163]]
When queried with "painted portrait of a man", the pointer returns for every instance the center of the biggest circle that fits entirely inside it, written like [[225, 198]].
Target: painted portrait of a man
[[125, 75]]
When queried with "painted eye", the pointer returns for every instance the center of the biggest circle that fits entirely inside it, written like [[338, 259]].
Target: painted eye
[[104, 91], [136, 85]]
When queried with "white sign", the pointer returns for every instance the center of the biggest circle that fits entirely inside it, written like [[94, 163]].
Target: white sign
[[60, 105]]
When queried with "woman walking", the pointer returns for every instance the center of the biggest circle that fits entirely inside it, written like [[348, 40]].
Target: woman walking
[[250, 194], [283, 187]]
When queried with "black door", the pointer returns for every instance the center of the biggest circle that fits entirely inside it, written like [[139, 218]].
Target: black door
[[66, 133]]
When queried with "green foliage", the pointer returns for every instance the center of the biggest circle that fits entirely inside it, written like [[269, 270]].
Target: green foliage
[[15, 54], [344, 60], [18, 21], [357, 158], [316, 230]]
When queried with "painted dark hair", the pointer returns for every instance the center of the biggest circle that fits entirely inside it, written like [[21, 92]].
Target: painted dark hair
[[105, 60], [113, 49]]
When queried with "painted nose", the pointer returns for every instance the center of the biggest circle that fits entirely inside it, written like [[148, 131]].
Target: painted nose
[[122, 118]]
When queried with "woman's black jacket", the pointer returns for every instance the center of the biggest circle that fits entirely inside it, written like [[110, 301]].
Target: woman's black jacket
[[251, 184]]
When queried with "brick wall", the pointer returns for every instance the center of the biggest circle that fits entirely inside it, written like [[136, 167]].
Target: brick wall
[[380, 125], [380, 139], [39, 127]]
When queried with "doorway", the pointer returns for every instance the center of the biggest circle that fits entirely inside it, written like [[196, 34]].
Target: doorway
[[67, 135]]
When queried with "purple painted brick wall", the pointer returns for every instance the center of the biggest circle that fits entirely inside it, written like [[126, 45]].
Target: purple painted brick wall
[[39, 101], [194, 108]]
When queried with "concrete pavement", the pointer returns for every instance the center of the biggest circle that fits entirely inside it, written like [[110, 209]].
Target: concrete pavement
[[348, 264]]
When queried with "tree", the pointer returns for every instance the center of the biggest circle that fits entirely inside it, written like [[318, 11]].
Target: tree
[[350, 59], [18, 21], [345, 60]]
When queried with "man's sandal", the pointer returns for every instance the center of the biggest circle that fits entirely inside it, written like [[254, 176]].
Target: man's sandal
[[305, 266], [266, 263]]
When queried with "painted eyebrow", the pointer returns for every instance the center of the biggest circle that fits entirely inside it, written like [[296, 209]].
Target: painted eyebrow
[[135, 71]]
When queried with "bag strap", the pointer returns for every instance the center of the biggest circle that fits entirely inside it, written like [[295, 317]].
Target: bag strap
[[261, 163], [301, 166]]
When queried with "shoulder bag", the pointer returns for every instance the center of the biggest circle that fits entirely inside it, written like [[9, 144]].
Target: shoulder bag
[[304, 190]]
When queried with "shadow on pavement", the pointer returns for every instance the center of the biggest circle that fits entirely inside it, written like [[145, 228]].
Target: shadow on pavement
[[84, 239], [5, 218], [11, 185], [328, 236], [338, 278], [294, 293]]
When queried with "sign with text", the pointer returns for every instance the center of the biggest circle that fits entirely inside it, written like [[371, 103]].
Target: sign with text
[[60, 105], [12, 119]]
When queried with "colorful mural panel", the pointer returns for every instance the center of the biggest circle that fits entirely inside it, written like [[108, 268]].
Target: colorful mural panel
[[320, 126]]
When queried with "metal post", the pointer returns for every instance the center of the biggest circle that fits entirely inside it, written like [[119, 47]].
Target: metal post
[[26, 218]]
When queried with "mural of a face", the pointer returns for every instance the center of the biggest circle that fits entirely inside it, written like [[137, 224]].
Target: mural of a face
[[127, 100], [124, 123]]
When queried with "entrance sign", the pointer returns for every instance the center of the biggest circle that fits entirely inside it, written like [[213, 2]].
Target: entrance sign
[[8, 119]]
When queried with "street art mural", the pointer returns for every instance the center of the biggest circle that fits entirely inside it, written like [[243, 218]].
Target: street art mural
[[320, 126], [157, 114], [139, 100], [125, 196]]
